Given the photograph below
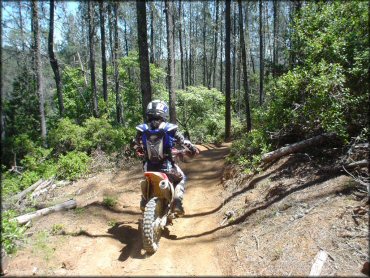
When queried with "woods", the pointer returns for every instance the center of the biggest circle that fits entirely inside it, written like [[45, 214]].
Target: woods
[[77, 77]]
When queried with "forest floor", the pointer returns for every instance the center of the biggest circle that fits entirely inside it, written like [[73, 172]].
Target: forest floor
[[291, 213]]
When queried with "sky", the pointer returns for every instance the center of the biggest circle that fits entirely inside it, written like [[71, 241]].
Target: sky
[[8, 13]]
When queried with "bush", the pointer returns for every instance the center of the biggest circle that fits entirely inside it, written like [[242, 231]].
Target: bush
[[67, 136], [11, 232], [201, 113], [247, 150], [73, 165]]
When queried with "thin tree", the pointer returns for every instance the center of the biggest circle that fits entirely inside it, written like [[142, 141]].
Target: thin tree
[[234, 50], [190, 47], [215, 46], [245, 70], [103, 57], [146, 89], [54, 61], [204, 44], [221, 59], [248, 37], [152, 43], [170, 60], [261, 53], [38, 68], [275, 41], [119, 108], [181, 48], [90, 14], [227, 72]]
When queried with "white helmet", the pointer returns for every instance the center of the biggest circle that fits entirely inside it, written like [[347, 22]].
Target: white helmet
[[157, 108]]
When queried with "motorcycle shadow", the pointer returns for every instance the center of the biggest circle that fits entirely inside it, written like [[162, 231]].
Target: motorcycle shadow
[[129, 236]]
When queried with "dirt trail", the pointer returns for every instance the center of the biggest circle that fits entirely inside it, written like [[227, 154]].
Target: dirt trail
[[95, 240]]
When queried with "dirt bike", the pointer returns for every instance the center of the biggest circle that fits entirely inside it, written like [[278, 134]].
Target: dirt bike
[[158, 211]]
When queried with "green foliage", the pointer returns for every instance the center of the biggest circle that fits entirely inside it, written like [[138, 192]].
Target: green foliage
[[109, 201], [326, 91], [75, 94], [100, 134], [57, 229], [313, 98], [67, 136], [11, 232], [73, 165], [200, 113], [331, 43], [247, 150]]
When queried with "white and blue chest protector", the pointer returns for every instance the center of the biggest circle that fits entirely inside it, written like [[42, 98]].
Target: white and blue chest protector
[[158, 143]]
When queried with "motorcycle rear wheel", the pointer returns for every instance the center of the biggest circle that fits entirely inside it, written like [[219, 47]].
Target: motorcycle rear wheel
[[151, 232]]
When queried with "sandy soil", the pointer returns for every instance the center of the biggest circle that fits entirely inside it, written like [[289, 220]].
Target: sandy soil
[[290, 211], [96, 240]]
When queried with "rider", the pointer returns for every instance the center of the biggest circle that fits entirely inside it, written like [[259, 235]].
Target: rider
[[154, 141]]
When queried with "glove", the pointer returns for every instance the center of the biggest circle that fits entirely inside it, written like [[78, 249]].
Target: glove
[[139, 151]]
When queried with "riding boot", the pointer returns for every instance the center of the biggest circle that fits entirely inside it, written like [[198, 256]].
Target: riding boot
[[179, 195], [143, 201]]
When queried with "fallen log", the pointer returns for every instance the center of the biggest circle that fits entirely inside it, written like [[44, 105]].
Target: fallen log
[[319, 263], [296, 147], [22, 194], [42, 188], [23, 219]]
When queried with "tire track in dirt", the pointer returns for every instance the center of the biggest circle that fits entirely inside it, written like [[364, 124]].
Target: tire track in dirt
[[183, 249], [97, 240]]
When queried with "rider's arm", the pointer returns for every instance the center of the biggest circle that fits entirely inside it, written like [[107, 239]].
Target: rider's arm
[[182, 142], [137, 144]]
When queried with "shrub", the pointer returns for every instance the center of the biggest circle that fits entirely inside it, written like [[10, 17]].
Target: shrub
[[11, 232], [109, 202], [73, 165], [247, 150], [67, 136]]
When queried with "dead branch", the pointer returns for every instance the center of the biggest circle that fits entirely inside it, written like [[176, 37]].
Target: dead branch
[[23, 219], [296, 147], [22, 194], [319, 263]]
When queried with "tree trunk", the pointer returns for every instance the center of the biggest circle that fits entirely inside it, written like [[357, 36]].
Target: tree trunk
[[103, 57], [23, 219], [152, 44], [296, 147], [110, 32], [234, 51], [171, 66], [38, 68], [181, 49], [190, 47], [146, 89], [245, 70], [275, 42], [227, 72], [90, 11], [204, 45], [186, 53], [54, 61], [119, 108], [215, 46], [261, 54], [221, 60]]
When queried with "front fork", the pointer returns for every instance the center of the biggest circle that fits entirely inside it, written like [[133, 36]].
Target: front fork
[[168, 215]]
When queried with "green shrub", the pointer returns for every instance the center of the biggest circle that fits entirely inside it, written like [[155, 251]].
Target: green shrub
[[73, 165], [247, 150], [11, 232], [67, 136], [201, 113], [109, 201]]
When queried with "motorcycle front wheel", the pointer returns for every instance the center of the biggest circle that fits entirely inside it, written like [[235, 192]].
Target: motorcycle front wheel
[[151, 230]]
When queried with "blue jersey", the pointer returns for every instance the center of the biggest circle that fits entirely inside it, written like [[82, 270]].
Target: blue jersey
[[157, 143]]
